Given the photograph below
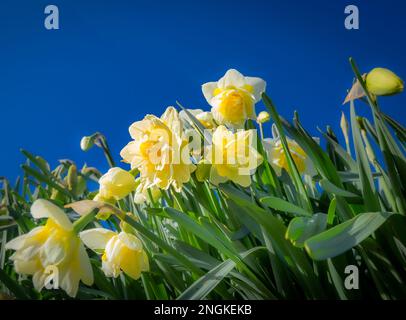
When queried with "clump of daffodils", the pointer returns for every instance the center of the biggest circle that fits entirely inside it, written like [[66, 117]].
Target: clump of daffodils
[[162, 160], [53, 248]]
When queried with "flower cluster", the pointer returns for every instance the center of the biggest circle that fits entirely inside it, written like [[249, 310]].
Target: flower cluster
[[165, 153]]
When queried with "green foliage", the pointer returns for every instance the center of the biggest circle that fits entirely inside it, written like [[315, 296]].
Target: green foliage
[[285, 237]]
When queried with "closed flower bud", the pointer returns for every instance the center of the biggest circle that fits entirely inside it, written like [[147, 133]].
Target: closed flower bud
[[72, 178], [43, 164], [86, 143], [80, 185], [116, 184], [383, 82], [263, 117]]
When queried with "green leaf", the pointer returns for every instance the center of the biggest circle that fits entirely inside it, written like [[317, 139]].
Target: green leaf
[[367, 182], [204, 285], [293, 171], [331, 188], [331, 211], [210, 236], [282, 205], [345, 236], [302, 228], [45, 179], [294, 258], [195, 123], [161, 243], [12, 285]]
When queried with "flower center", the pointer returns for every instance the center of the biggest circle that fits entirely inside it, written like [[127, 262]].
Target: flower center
[[236, 105]]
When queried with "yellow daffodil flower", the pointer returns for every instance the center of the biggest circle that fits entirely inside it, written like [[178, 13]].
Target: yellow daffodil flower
[[54, 245], [120, 251], [232, 156], [116, 184], [159, 151], [277, 156], [204, 117], [233, 98]]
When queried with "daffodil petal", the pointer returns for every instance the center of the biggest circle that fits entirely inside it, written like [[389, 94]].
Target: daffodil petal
[[16, 243], [45, 209], [259, 86], [69, 282], [232, 78], [86, 271], [38, 280], [97, 238], [26, 267], [130, 264], [52, 251], [215, 178], [208, 90]]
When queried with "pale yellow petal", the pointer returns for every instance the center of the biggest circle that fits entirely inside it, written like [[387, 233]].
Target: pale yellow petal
[[232, 78], [97, 238], [208, 90], [45, 209], [86, 271], [258, 85]]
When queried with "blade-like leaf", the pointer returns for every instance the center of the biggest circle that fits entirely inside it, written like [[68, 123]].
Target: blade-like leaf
[[345, 236]]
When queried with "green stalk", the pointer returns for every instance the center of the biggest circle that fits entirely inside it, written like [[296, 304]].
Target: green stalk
[[83, 221]]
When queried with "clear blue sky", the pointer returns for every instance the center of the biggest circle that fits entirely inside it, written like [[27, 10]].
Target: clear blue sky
[[112, 62]]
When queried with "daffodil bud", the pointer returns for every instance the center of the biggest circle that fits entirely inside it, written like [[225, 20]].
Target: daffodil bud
[[87, 171], [116, 184], [263, 117], [72, 178], [42, 163], [344, 126], [86, 143], [80, 185], [383, 82]]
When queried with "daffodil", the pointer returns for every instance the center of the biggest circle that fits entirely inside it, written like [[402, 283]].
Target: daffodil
[[233, 98], [232, 156], [116, 184], [120, 251], [160, 151], [54, 245], [383, 82], [277, 156], [204, 117]]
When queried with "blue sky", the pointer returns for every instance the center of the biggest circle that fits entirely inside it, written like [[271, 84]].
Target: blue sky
[[111, 62]]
